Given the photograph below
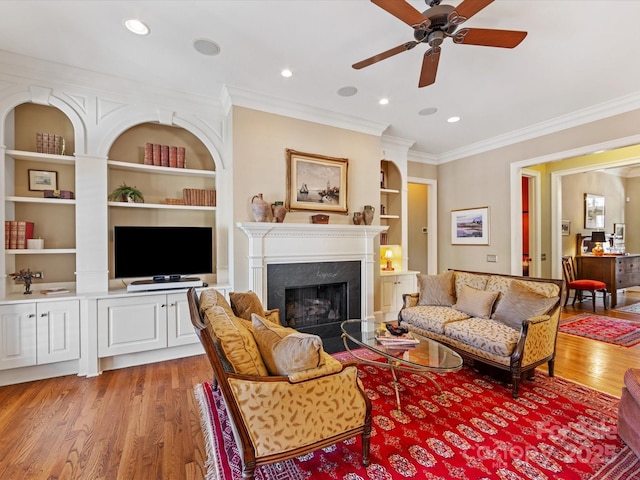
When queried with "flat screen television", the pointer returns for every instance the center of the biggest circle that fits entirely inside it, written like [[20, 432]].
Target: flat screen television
[[159, 252]]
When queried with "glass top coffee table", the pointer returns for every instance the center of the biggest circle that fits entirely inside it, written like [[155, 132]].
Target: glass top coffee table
[[422, 357]]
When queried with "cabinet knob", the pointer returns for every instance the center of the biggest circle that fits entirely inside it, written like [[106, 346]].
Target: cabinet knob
[[163, 305], [31, 315], [44, 315], [172, 304]]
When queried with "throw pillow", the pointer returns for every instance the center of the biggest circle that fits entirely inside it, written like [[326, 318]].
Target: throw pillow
[[244, 304], [474, 302], [211, 298], [520, 303], [436, 289], [236, 340], [285, 350]]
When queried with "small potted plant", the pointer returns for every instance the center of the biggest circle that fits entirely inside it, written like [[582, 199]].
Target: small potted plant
[[126, 193]]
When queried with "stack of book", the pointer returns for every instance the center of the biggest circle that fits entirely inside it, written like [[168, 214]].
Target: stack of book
[[49, 143], [16, 234], [164, 155], [387, 339]]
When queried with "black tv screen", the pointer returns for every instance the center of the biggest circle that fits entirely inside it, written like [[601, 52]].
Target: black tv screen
[[162, 251]]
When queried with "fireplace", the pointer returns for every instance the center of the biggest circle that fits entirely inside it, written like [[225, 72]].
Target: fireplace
[[295, 247], [315, 297]]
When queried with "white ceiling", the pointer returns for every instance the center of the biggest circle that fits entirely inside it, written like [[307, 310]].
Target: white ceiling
[[580, 58]]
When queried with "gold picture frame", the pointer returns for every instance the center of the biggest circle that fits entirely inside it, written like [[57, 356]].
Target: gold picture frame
[[316, 182], [470, 226]]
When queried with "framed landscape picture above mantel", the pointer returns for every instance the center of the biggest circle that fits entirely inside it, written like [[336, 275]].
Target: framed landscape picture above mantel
[[593, 211], [470, 226], [316, 182]]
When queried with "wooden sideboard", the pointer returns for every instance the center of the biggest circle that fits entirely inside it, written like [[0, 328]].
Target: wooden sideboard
[[617, 271]]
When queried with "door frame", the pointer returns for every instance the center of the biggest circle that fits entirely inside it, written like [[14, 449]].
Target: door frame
[[432, 222]]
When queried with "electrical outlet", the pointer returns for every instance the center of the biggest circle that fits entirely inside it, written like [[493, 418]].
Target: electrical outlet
[[37, 274], [424, 230], [492, 258]]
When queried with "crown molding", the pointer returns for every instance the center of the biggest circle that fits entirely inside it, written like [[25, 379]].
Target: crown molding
[[591, 114], [257, 101]]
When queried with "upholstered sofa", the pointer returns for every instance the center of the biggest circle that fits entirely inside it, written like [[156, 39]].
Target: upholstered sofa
[[505, 321], [284, 395], [629, 410]]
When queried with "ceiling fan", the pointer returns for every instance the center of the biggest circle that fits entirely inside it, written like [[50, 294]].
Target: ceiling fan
[[437, 23]]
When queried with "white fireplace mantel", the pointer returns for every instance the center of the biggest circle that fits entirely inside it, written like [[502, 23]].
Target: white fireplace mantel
[[278, 243]]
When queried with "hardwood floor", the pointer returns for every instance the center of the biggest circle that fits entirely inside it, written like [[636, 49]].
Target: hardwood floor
[[143, 422]]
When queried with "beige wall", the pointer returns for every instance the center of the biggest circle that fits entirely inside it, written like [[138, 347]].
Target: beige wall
[[574, 187], [259, 166], [484, 180]]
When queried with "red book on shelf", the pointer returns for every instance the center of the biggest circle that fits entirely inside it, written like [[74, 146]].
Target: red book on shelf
[[13, 234], [181, 162], [164, 155], [156, 154], [24, 233], [148, 153], [173, 157]]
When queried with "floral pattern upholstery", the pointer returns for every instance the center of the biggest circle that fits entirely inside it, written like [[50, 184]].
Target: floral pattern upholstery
[[281, 416], [474, 280], [487, 335], [432, 318]]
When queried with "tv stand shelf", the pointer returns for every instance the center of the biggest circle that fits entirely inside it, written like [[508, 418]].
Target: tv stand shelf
[[147, 285]]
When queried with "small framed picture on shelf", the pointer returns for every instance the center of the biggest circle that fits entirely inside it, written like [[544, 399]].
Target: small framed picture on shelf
[[382, 183], [43, 180]]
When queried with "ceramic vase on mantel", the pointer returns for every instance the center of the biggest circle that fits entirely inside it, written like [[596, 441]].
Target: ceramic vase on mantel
[[279, 211], [260, 208], [357, 218], [367, 214]]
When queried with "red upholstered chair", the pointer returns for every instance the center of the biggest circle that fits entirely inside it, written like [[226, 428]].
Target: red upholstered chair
[[579, 286]]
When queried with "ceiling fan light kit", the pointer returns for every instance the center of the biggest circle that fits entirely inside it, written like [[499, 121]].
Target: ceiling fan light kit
[[434, 25]]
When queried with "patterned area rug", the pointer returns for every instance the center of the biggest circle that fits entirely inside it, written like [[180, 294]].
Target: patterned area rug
[[633, 308], [606, 329], [556, 429]]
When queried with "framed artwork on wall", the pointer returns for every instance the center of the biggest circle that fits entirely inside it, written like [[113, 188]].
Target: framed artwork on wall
[[470, 226], [618, 233], [566, 228], [316, 182], [593, 211], [43, 180]]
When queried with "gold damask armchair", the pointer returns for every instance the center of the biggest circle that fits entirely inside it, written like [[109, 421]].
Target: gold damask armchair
[[284, 395]]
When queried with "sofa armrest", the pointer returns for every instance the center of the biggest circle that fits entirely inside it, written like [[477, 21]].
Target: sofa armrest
[[538, 339], [410, 299], [280, 416]]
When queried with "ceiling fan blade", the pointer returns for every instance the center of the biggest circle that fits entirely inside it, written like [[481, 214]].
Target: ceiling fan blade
[[381, 56], [468, 8], [429, 67], [489, 38], [405, 12]]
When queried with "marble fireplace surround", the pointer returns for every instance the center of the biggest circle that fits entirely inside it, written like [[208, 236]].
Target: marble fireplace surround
[[280, 243]]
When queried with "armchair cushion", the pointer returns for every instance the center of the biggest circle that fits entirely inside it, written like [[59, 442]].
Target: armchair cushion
[[285, 350], [474, 302], [520, 303], [236, 340], [212, 298], [436, 289], [244, 304]]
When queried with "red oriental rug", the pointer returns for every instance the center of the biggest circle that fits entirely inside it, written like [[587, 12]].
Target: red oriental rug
[[556, 429], [606, 329]]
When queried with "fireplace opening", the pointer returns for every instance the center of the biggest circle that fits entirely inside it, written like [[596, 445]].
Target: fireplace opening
[[316, 297], [315, 305]]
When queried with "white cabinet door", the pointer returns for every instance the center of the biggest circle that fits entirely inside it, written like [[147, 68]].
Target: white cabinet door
[[58, 327], [17, 335], [130, 325], [387, 293], [405, 284], [392, 288], [179, 328]]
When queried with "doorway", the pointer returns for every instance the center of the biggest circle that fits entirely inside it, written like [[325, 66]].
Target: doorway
[[422, 225]]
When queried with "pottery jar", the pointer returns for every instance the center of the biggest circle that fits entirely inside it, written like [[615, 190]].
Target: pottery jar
[[279, 212], [367, 214], [260, 208], [357, 218]]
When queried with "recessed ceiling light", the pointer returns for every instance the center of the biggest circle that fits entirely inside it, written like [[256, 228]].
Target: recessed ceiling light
[[453, 119], [286, 73], [206, 47], [347, 91], [383, 101], [428, 111], [136, 26]]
